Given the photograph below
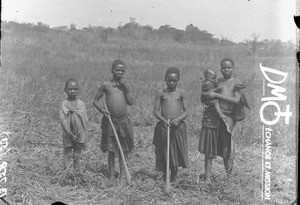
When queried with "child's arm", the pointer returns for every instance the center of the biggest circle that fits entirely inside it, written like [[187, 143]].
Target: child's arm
[[97, 97], [157, 107], [185, 108], [83, 112], [126, 90], [63, 122], [62, 119], [204, 97], [217, 108], [65, 126], [238, 87], [235, 99], [217, 89], [184, 114], [129, 98]]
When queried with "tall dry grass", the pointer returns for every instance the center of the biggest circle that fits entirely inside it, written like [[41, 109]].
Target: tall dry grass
[[34, 69], [40, 64]]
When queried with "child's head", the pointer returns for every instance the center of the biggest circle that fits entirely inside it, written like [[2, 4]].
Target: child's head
[[172, 77], [71, 88], [118, 69], [227, 66], [210, 76]]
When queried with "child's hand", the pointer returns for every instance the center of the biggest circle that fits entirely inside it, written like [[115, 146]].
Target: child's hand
[[204, 95], [211, 95], [74, 137], [217, 89], [239, 86], [223, 117], [106, 112], [176, 121], [167, 124], [123, 85]]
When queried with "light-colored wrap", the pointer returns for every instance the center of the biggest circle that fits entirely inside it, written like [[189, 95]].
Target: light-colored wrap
[[74, 120], [230, 123]]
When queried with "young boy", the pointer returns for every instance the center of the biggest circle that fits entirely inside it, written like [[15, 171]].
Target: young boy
[[74, 122], [117, 96], [171, 104], [216, 134]]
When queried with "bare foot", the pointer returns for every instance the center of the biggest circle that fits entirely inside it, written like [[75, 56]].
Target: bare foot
[[202, 175], [120, 180], [228, 177], [111, 177], [208, 180]]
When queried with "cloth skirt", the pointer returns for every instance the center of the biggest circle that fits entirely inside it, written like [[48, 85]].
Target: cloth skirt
[[178, 146], [216, 142], [125, 133]]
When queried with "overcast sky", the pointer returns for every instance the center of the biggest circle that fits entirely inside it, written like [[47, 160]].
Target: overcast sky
[[233, 19]]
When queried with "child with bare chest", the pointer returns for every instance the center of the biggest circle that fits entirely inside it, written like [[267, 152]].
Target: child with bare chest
[[117, 98], [228, 91], [171, 109], [216, 134]]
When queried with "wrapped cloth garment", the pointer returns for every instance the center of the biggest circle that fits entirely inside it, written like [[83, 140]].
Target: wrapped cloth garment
[[125, 133], [74, 120], [208, 139], [226, 140], [208, 142], [178, 146], [216, 136], [217, 140]]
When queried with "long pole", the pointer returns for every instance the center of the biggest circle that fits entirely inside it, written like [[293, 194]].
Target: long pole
[[128, 177], [167, 183]]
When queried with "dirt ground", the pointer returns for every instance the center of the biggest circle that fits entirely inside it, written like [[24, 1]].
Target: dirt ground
[[35, 174]]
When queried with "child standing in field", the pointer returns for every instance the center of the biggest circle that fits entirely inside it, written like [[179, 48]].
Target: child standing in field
[[216, 137], [117, 96], [171, 104], [74, 122]]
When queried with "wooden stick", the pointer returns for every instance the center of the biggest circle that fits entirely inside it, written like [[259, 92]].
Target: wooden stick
[[6, 202], [128, 177], [167, 183]]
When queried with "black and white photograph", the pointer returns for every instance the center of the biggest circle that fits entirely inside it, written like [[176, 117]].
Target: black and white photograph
[[149, 102]]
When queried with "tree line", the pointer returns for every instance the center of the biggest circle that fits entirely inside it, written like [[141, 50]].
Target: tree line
[[190, 35]]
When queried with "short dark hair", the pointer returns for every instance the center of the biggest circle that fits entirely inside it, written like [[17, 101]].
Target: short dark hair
[[227, 59], [70, 80], [209, 71], [172, 70], [117, 62]]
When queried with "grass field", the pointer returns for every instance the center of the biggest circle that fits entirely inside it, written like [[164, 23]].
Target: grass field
[[34, 68]]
